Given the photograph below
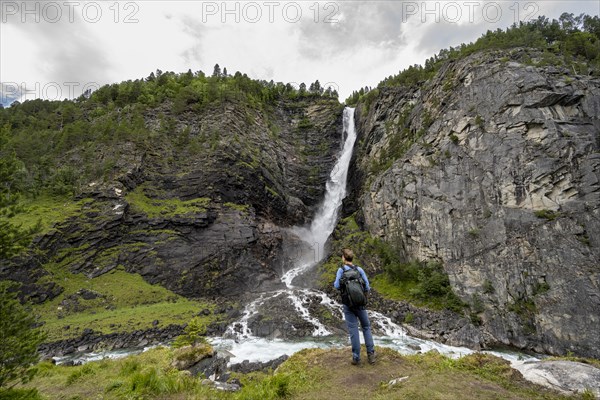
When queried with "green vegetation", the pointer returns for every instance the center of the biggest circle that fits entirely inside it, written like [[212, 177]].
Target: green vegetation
[[347, 234], [60, 146], [308, 374], [584, 238], [547, 214], [526, 310], [541, 288], [13, 236], [479, 121], [523, 306], [45, 211], [194, 333], [400, 138], [474, 232], [19, 340], [154, 208], [422, 283], [239, 207], [571, 357], [124, 303], [488, 287]]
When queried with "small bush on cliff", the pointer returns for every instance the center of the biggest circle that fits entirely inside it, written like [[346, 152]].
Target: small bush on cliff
[[427, 283], [547, 214], [194, 333]]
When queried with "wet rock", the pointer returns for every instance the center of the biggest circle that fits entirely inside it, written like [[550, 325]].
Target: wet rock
[[467, 336], [564, 376], [213, 367], [113, 341], [246, 366]]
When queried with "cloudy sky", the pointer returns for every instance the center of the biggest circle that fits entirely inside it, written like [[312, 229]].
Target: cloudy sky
[[55, 49]]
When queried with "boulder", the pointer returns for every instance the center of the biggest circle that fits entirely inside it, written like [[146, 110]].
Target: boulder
[[567, 377]]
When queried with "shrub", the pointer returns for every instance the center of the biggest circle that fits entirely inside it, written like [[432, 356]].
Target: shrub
[[547, 214], [488, 287], [19, 343], [479, 121], [194, 333], [129, 367], [430, 282]]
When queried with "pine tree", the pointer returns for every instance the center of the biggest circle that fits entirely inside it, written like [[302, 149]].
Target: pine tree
[[302, 89], [19, 341], [216, 71], [13, 239]]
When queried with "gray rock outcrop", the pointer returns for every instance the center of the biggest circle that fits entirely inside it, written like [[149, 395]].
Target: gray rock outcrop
[[567, 377], [497, 175]]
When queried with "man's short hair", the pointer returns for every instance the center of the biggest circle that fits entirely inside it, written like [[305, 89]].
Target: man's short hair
[[348, 254]]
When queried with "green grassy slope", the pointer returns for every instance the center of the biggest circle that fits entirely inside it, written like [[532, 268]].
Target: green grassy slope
[[310, 374]]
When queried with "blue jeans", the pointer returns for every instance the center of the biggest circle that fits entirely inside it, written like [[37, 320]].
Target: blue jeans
[[352, 317]]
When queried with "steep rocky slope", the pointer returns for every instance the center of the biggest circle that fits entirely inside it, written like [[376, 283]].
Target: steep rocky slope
[[492, 167], [200, 207]]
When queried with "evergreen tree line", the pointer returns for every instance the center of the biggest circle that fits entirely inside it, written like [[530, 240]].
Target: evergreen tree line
[[192, 90], [574, 40], [38, 132]]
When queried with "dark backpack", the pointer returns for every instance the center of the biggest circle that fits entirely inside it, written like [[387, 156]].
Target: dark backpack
[[352, 287]]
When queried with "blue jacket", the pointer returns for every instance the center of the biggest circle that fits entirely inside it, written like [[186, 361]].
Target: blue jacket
[[343, 268]]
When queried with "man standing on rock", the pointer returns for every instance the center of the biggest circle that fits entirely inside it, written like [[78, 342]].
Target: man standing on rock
[[354, 306]]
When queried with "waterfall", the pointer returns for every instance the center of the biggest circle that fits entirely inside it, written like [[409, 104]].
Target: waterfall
[[326, 217], [315, 237]]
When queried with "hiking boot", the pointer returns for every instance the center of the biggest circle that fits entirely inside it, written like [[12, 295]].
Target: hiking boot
[[355, 361], [371, 357]]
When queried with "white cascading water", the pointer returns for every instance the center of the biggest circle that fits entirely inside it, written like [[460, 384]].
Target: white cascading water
[[315, 236], [326, 217], [335, 190]]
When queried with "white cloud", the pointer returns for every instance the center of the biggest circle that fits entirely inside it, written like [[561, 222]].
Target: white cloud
[[369, 41]]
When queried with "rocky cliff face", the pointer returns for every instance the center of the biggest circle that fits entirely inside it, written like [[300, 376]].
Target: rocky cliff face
[[493, 168], [200, 206]]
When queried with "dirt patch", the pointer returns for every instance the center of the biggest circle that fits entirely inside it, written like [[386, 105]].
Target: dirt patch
[[356, 381]]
